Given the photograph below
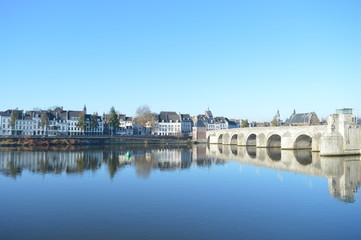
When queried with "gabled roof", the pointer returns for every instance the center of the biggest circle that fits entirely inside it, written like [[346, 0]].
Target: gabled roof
[[63, 115], [168, 116], [220, 119], [185, 116], [74, 114], [6, 113], [123, 117], [300, 117], [231, 123]]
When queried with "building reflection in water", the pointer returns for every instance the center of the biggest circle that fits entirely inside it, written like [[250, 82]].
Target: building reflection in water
[[13, 162], [343, 174]]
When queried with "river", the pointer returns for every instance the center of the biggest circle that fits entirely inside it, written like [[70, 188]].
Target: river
[[199, 192]]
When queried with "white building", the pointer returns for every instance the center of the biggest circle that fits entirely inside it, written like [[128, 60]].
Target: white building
[[173, 124], [25, 124], [61, 123], [125, 125]]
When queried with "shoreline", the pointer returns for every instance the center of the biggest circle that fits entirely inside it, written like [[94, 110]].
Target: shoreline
[[34, 141]]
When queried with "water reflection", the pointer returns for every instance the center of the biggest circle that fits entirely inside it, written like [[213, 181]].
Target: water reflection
[[343, 174], [304, 157], [274, 153], [251, 151], [77, 161]]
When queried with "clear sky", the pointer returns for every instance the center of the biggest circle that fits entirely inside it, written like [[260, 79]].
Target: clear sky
[[242, 59]]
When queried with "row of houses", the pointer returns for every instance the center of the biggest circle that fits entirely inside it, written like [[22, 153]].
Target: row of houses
[[65, 123], [60, 122]]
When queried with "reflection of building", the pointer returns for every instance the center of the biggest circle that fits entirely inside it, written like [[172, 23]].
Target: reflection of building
[[13, 162], [172, 158], [344, 184], [343, 174]]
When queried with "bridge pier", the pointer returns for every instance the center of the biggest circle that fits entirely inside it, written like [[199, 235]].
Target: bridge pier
[[261, 141], [342, 137], [287, 143]]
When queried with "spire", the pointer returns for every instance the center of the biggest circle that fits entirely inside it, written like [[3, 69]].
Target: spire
[[84, 109]]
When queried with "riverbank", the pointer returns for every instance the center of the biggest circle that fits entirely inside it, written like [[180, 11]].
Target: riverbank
[[91, 140]]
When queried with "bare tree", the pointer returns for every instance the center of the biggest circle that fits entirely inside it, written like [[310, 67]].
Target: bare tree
[[144, 116]]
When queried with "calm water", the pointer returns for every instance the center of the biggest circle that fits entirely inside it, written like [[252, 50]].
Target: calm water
[[204, 192]]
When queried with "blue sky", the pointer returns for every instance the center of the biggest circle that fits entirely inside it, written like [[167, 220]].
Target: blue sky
[[242, 59]]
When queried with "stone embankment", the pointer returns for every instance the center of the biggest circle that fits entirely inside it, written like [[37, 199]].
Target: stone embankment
[[90, 140]]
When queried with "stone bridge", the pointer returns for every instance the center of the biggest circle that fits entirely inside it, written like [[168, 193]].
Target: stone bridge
[[339, 137]]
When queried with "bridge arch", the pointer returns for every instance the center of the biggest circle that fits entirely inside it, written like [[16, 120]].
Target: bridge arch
[[220, 139], [220, 148], [274, 141], [274, 153], [234, 150], [251, 151], [251, 140], [234, 139], [303, 142], [303, 157]]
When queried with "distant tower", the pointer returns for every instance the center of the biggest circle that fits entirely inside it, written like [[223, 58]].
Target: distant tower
[[277, 119], [278, 116], [84, 109], [209, 113]]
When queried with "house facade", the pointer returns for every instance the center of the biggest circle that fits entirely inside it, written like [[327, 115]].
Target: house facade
[[173, 124], [60, 123], [215, 123], [199, 131]]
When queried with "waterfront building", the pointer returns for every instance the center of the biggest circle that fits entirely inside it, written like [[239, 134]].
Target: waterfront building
[[5, 123], [169, 124], [142, 130], [186, 124], [173, 124], [199, 131], [60, 123], [25, 123], [215, 123], [125, 125]]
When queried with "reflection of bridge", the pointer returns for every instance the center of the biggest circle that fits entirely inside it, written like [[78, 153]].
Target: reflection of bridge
[[340, 137], [343, 174]]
